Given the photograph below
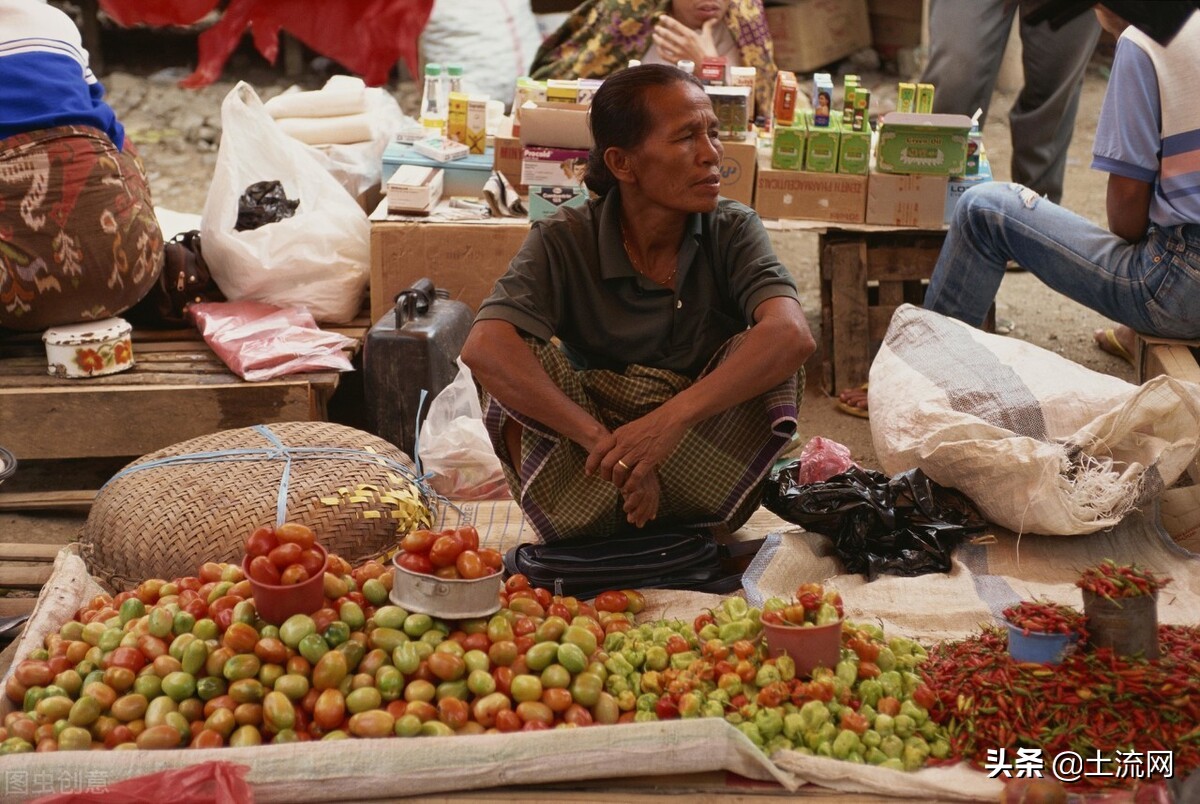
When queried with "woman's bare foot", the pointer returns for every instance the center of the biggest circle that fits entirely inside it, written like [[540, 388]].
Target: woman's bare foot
[[1118, 341], [854, 401]]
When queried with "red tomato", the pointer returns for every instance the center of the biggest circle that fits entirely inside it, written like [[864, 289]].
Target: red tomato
[[415, 562], [261, 541], [285, 555], [294, 574], [418, 541], [263, 570], [469, 537], [295, 533], [470, 565], [611, 601], [210, 572], [312, 561], [516, 583], [450, 572], [491, 558], [445, 550]]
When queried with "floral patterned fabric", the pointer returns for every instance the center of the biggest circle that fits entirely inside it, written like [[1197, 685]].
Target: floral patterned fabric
[[601, 36], [79, 240]]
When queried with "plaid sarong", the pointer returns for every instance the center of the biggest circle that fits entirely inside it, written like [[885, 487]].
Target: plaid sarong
[[713, 480]]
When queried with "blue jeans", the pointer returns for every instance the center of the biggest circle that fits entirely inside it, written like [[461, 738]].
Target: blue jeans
[[1152, 286]]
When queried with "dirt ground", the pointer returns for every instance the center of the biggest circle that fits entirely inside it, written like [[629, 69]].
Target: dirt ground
[[177, 132]]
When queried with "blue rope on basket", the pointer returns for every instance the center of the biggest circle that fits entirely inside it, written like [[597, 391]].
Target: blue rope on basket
[[280, 451]]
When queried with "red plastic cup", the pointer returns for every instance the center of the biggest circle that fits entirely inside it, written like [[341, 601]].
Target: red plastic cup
[[276, 602], [809, 646]]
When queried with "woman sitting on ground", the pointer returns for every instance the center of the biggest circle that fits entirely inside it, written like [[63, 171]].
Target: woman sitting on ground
[[681, 334], [602, 36], [79, 240]]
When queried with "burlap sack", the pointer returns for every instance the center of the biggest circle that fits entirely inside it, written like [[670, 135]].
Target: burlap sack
[[170, 511], [1040, 444]]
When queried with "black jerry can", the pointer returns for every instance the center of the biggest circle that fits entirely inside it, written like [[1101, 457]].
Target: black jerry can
[[412, 348]]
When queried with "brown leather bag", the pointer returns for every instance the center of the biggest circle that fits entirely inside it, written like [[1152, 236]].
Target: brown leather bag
[[184, 279]]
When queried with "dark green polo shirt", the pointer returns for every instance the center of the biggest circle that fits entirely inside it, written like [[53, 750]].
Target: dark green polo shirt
[[572, 279]]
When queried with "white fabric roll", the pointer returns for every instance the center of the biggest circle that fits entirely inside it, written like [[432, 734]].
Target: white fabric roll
[[328, 130], [318, 103]]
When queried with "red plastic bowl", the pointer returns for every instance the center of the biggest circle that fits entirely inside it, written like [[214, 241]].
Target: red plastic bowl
[[809, 646], [276, 602]]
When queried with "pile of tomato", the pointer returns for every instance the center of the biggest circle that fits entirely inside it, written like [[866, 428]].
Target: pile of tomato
[[452, 553], [188, 662], [284, 555]]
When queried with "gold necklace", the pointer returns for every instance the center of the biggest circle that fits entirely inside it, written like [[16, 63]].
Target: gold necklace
[[632, 261]]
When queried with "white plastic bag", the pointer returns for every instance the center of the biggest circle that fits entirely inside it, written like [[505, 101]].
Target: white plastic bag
[[455, 447], [319, 258], [1040, 444]]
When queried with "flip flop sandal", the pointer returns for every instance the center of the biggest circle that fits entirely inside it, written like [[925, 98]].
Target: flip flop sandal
[[851, 410], [1114, 346]]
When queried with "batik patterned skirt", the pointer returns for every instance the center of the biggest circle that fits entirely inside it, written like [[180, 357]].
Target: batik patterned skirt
[[79, 240]]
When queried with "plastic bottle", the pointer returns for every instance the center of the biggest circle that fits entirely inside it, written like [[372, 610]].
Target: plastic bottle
[[455, 72], [433, 107]]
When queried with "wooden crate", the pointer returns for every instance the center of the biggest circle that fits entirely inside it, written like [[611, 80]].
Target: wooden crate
[[1178, 359], [865, 276], [178, 389], [24, 567]]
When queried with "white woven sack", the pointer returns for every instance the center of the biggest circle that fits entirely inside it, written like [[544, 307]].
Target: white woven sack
[[1039, 443]]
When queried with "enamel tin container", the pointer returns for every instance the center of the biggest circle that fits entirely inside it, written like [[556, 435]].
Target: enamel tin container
[[89, 349]]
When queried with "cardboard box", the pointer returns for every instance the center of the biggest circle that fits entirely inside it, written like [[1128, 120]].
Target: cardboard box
[[923, 143], [732, 107], [821, 145], [545, 201], [787, 147], [906, 200], [413, 188], [832, 197], [812, 33], [854, 151], [507, 152], [957, 185], [895, 24], [738, 169], [561, 125], [462, 176], [552, 166], [464, 258]]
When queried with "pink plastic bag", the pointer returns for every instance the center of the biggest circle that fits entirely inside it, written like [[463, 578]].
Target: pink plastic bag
[[260, 341], [821, 459], [204, 783]]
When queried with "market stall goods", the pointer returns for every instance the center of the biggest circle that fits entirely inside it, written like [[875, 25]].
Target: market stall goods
[[357, 490]]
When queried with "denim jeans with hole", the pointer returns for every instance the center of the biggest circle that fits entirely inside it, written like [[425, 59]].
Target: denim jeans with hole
[[1152, 286]]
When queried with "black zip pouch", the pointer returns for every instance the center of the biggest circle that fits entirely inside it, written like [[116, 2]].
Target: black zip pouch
[[584, 568]]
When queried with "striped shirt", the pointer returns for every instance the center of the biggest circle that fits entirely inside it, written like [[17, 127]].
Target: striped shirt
[[45, 80], [1149, 127]]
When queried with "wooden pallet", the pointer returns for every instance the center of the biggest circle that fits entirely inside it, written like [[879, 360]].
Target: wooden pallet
[[25, 567], [177, 390]]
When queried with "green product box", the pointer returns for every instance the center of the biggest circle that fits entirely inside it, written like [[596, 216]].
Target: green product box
[[821, 148], [787, 148], [933, 144], [854, 151]]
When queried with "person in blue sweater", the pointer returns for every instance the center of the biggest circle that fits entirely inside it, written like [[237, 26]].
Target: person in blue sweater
[[79, 239]]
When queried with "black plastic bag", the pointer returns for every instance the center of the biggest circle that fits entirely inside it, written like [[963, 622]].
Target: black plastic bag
[[905, 525], [263, 202]]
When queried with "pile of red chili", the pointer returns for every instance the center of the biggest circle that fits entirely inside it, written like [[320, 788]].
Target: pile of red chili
[[1045, 618], [1095, 701], [1112, 580]]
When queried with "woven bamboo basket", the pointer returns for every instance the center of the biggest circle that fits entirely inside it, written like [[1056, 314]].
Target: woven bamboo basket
[[170, 511]]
